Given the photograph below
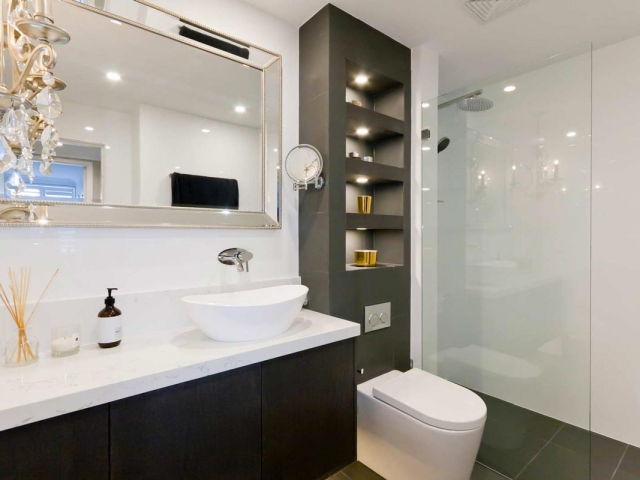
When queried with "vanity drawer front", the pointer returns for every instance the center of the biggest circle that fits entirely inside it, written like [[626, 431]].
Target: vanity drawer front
[[203, 429], [308, 413], [75, 445]]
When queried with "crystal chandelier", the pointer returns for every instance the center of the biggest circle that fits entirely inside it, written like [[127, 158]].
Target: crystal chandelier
[[28, 99]]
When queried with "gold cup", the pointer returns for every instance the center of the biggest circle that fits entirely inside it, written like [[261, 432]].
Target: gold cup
[[366, 258], [364, 204]]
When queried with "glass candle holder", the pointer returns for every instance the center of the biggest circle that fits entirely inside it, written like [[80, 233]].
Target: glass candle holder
[[65, 340]]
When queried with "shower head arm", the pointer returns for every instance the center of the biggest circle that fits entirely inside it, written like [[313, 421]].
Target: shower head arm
[[463, 97]]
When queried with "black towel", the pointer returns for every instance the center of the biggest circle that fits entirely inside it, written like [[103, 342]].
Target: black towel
[[205, 192], [214, 42]]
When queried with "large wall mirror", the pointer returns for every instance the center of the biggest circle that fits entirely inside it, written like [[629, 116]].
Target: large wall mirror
[[165, 123]]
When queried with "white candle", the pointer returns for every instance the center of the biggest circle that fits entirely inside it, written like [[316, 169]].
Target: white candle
[[65, 344]]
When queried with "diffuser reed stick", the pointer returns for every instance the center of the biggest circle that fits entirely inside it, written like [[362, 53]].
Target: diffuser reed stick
[[16, 303]]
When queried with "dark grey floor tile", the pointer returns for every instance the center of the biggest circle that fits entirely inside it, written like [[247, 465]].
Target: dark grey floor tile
[[507, 450], [359, 471], [631, 461], [602, 449], [521, 418], [621, 475], [480, 472], [559, 463], [338, 476]]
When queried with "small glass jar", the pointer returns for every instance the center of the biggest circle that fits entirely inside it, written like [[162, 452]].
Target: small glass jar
[[65, 340], [22, 348]]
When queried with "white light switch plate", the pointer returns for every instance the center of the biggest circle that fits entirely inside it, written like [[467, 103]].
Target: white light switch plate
[[377, 317]]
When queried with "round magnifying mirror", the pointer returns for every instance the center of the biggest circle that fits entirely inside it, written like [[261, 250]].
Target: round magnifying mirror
[[304, 166]]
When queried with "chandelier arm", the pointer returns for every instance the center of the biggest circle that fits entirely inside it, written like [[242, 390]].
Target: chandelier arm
[[15, 54], [41, 49]]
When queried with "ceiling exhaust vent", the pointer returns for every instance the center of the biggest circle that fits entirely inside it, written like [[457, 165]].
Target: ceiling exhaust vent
[[485, 10]]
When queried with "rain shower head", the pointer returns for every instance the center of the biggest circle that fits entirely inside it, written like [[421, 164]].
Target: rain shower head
[[475, 104], [471, 102]]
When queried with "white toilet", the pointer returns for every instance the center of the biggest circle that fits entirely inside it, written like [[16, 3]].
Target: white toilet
[[416, 425]]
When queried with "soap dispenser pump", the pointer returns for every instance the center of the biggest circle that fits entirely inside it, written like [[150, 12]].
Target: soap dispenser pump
[[109, 323]]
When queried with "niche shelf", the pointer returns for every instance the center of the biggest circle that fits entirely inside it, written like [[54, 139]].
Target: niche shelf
[[388, 243], [376, 173], [379, 93], [374, 222]]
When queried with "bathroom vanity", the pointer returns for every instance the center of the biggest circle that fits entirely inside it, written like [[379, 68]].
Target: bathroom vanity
[[177, 405]]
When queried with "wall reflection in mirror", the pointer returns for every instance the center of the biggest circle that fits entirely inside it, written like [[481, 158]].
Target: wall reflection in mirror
[[151, 121]]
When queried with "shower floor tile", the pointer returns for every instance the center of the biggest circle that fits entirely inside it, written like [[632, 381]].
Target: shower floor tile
[[630, 464]]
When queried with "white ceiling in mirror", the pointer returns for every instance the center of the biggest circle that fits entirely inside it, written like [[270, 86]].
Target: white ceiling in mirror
[[149, 69]]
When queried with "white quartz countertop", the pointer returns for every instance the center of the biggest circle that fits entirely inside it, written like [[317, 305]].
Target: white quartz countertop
[[56, 386]]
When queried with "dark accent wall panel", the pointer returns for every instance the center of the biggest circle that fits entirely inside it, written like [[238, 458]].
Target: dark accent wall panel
[[333, 46]]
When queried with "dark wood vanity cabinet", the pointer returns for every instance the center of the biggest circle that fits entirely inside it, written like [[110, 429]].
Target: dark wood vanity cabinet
[[203, 429], [292, 417], [72, 446], [308, 413]]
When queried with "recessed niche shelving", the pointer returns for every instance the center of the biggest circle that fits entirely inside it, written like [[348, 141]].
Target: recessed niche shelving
[[379, 93], [380, 110], [388, 243]]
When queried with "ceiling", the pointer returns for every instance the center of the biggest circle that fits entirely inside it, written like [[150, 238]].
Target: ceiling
[[471, 51]]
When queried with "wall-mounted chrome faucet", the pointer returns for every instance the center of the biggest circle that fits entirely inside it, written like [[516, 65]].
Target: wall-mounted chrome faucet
[[236, 256]]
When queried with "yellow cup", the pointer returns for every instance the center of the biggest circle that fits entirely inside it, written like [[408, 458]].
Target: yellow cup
[[366, 258], [364, 204]]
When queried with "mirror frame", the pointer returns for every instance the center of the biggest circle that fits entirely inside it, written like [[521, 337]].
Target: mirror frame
[[110, 215]]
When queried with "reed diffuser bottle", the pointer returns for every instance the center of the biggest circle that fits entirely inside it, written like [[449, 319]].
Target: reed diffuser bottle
[[22, 348]]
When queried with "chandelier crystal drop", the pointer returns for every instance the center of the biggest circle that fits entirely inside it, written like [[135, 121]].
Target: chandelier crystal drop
[[29, 101]]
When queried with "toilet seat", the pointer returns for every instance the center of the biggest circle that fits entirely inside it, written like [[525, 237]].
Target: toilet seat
[[433, 400]]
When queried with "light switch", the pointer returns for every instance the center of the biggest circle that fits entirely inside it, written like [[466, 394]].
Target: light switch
[[377, 317]]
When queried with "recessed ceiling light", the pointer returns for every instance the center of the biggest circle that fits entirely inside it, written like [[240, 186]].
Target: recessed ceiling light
[[177, 167], [556, 162], [117, 22], [362, 180], [513, 167], [206, 130], [275, 149], [571, 134], [598, 187], [107, 147], [362, 79], [114, 76], [425, 105], [240, 109], [510, 88], [426, 149], [89, 129], [426, 189], [362, 131]]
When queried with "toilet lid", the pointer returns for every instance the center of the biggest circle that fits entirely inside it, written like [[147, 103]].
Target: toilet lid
[[433, 400]]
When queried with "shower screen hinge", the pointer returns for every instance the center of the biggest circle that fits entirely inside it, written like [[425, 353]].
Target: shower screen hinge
[[411, 363]]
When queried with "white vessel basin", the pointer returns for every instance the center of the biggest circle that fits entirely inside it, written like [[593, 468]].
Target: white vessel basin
[[248, 315]]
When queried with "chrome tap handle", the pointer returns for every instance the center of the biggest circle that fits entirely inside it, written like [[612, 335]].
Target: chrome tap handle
[[236, 256], [244, 256]]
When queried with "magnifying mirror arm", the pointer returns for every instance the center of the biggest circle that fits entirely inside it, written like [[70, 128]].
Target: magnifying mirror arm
[[318, 183]]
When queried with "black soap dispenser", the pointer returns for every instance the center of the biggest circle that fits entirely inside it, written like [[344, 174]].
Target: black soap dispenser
[[109, 323]]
